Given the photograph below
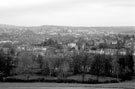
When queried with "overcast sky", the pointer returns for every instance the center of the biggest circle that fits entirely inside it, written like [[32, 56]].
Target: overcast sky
[[68, 12]]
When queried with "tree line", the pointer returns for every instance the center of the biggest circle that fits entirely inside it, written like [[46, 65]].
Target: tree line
[[61, 65]]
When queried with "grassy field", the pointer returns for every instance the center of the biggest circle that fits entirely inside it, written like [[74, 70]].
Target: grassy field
[[124, 85], [77, 77], [37, 85], [88, 77]]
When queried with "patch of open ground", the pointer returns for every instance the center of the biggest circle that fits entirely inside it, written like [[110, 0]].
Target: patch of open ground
[[77, 77], [88, 77]]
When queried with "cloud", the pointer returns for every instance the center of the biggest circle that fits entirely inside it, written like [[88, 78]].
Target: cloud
[[47, 6], [68, 12], [124, 3]]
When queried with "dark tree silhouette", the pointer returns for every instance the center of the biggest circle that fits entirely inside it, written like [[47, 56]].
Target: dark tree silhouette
[[6, 63], [97, 66], [126, 68]]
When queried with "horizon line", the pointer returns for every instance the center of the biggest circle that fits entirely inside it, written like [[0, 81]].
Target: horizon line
[[68, 25]]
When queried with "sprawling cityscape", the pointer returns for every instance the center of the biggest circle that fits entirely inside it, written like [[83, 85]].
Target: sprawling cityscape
[[67, 44], [66, 54]]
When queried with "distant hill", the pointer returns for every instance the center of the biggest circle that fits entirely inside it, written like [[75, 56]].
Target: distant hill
[[45, 28], [38, 33]]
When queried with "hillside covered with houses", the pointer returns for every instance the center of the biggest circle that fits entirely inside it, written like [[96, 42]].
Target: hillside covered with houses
[[63, 53]]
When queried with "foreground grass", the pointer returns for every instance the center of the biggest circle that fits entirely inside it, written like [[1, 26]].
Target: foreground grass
[[38, 85], [124, 85]]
